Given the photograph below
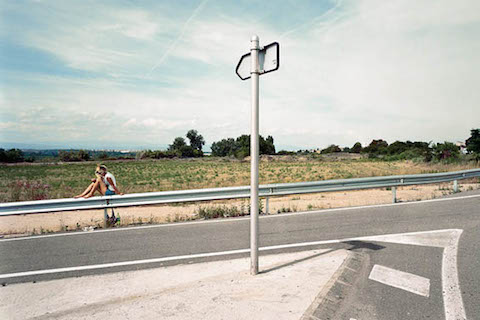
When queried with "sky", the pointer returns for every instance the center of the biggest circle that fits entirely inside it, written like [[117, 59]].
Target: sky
[[120, 74]]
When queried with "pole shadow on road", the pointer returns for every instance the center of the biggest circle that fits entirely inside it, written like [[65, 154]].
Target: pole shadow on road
[[297, 261], [353, 246], [357, 245]]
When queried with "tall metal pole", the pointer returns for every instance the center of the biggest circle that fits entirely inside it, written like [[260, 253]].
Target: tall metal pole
[[254, 154]]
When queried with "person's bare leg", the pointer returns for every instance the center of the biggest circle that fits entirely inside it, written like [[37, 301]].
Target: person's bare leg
[[99, 186], [89, 188], [93, 189]]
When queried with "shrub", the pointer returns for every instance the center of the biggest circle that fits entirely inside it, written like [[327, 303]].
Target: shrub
[[26, 191], [446, 151], [11, 156]]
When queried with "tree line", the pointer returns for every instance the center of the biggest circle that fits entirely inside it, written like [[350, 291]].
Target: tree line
[[240, 148], [230, 147], [403, 150]]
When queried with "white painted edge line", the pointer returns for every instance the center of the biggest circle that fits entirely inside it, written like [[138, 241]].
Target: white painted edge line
[[120, 264], [193, 256], [401, 280], [452, 296], [234, 219]]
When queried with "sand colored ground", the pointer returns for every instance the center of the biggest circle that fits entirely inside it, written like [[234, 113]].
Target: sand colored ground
[[82, 220]]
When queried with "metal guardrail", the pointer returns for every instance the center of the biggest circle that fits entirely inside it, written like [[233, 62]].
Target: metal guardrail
[[137, 199]]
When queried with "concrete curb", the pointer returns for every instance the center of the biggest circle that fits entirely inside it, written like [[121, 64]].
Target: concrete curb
[[329, 300]]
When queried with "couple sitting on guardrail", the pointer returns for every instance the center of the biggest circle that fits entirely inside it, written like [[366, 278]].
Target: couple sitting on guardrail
[[104, 183]]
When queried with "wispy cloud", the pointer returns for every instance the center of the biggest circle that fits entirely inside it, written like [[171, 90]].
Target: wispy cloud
[[350, 71], [179, 37]]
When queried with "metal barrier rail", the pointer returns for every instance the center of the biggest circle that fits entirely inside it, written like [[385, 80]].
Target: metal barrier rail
[[137, 199]]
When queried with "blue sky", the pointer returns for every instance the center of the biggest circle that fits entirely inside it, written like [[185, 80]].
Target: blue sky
[[137, 74]]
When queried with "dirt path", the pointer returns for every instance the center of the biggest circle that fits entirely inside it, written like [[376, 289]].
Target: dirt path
[[153, 214]]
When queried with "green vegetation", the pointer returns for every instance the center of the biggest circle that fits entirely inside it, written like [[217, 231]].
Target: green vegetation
[[11, 156], [166, 170], [240, 147], [69, 156], [22, 182], [473, 144], [331, 149]]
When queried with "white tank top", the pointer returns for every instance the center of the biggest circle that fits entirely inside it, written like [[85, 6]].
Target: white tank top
[[109, 186]]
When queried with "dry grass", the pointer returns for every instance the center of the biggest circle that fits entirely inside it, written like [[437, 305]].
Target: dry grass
[[158, 214], [29, 182], [35, 182]]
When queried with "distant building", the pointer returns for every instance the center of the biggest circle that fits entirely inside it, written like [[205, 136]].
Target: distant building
[[462, 146]]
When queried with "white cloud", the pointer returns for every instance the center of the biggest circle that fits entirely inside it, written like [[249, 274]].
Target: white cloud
[[109, 39], [392, 71], [364, 70]]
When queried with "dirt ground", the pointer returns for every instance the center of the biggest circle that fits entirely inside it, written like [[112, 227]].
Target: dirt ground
[[11, 226]]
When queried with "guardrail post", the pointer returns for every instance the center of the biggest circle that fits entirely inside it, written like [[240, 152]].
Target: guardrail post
[[266, 205], [105, 217], [394, 194], [455, 186]]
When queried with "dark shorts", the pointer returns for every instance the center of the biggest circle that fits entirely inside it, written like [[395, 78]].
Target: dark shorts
[[109, 192]]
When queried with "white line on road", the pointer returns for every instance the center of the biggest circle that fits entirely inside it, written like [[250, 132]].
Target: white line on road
[[231, 220], [448, 239], [121, 264], [210, 254], [401, 280], [452, 297]]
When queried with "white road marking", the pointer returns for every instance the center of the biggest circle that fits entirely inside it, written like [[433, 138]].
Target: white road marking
[[233, 220], [448, 240], [452, 297], [433, 238], [402, 280], [121, 264]]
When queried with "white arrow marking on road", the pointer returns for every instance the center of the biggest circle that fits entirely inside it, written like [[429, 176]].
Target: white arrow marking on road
[[448, 240], [402, 280]]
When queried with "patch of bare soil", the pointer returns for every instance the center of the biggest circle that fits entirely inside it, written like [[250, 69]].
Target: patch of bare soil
[[155, 214]]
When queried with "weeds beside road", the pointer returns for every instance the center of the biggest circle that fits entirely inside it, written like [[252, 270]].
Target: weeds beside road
[[53, 181]]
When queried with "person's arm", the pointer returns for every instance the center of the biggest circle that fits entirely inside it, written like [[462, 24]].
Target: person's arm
[[114, 186]]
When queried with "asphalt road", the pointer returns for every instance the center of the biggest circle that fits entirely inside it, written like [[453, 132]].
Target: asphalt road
[[368, 299]]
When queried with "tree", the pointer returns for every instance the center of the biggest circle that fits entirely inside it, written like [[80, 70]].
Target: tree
[[397, 147], [180, 148], [376, 147], [266, 145], [103, 155], [196, 140], [187, 152], [12, 155], [83, 155], [223, 148], [473, 143], [177, 144], [64, 155], [3, 155], [446, 151], [240, 147], [331, 149], [357, 148]]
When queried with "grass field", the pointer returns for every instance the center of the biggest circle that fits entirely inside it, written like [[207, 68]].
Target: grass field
[[52, 181]]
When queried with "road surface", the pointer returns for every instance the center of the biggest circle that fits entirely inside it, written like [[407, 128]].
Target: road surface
[[421, 258]]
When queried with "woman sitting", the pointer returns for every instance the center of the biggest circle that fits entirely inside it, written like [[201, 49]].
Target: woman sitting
[[105, 184]]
